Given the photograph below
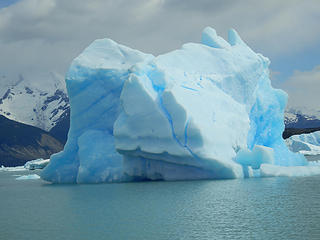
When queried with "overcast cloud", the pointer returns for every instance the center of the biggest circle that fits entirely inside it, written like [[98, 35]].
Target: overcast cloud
[[304, 87], [45, 35]]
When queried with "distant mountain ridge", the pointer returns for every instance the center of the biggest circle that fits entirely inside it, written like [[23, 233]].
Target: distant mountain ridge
[[295, 118], [42, 104]]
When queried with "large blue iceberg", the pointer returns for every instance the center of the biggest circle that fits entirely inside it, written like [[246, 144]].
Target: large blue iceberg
[[205, 111]]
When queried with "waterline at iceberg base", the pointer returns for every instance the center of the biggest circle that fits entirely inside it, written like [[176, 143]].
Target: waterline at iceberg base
[[205, 111]]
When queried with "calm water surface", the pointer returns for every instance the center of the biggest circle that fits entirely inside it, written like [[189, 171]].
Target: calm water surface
[[262, 208]]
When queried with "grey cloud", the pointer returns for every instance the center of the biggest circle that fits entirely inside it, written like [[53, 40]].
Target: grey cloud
[[303, 89], [45, 35]]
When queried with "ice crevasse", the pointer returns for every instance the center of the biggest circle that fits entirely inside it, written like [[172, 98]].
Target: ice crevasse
[[205, 111]]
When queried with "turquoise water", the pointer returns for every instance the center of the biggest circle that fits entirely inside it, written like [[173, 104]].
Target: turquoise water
[[262, 208]]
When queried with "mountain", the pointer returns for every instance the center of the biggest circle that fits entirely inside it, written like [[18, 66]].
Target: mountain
[[61, 129], [20, 143], [297, 118], [300, 121], [42, 103]]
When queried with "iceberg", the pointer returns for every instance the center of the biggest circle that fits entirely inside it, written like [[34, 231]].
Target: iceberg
[[307, 144], [204, 111]]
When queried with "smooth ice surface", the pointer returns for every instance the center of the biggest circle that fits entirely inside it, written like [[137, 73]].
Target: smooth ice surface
[[205, 111], [252, 160], [308, 144]]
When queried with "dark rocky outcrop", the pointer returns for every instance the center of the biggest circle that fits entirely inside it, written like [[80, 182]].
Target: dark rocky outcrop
[[288, 132], [20, 143], [61, 129]]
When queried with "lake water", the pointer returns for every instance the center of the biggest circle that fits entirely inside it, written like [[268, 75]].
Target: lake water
[[261, 208]]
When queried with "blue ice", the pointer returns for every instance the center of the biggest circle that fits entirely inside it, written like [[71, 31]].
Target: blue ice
[[204, 111]]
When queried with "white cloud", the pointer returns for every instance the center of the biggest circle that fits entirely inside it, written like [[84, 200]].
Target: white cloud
[[304, 89]]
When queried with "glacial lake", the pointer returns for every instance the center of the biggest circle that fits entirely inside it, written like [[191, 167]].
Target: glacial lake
[[259, 208]]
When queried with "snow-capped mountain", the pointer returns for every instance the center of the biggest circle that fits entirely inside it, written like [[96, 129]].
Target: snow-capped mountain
[[302, 118], [38, 103]]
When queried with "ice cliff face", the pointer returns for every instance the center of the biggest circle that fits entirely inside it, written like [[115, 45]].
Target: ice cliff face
[[205, 111], [308, 144]]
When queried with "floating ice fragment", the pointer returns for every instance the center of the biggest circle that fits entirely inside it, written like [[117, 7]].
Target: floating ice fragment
[[28, 177], [36, 164], [12, 169]]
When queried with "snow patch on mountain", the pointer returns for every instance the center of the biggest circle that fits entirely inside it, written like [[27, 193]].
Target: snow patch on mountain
[[38, 103], [302, 117]]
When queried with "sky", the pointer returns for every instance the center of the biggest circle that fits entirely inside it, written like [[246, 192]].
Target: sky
[[41, 36]]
